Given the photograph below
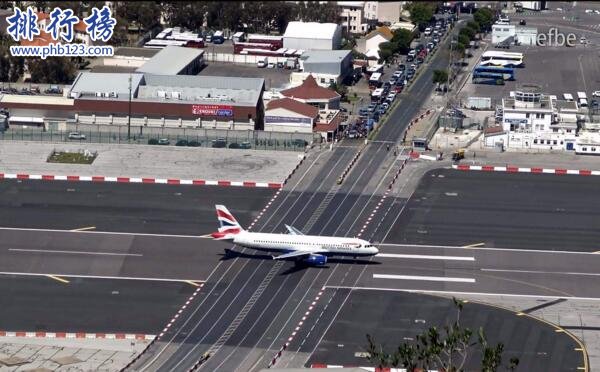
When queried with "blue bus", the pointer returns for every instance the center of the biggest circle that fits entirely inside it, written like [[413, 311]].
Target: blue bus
[[507, 73], [491, 78]]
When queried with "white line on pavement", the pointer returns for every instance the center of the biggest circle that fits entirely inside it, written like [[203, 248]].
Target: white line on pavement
[[426, 257], [540, 272], [425, 278], [103, 232], [479, 249], [101, 277], [464, 293], [74, 252]]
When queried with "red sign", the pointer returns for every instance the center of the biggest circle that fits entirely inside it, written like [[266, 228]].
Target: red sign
[[212, 110]]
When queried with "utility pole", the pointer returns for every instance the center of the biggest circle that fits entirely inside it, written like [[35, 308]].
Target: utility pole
[[129, 116]]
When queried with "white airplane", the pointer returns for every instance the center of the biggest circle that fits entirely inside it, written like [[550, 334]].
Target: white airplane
[[310, 249]]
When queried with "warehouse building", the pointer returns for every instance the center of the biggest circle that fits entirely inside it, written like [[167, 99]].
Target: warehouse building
[[312, 36], [327, 67], [156, 101], [175, 60]]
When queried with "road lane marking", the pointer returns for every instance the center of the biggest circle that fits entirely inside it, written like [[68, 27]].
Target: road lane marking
[[426, 257], [412, 290], [102, 232], [102, 277], [85, 228], [425, 278], [57, 278], [191, 282], [74, 252], [473, 245], [539, 272]]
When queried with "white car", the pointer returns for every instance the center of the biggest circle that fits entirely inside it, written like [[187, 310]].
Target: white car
[[588, 11], [596, 93], [391, 96], [559, 9], [76, 136], [397, 74], [597, 11], [428, 31]]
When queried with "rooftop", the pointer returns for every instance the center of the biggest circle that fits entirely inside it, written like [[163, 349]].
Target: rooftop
[[170, 60], [329, 120], [202, 89], [527, 102], [310, 30], [383, 31], [37, 100], [324, 56], [310, 90], [90, 83], [294, 106], [136, 52]]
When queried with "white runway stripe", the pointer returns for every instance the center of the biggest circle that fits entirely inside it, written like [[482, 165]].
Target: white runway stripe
[[424, 278], [426, 257]]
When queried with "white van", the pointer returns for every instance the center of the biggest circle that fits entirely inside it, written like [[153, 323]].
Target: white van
[[262, 62], [581, 95], [583, 102], [568, 97]]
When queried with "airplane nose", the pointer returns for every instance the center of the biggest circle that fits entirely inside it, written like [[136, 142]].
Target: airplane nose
[[375, 250]]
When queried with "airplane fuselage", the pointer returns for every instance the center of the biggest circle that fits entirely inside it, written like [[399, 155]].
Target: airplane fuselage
[[322, 245]]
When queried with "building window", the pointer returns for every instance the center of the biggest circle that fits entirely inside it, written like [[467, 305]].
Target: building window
[[322, 80], [353, 28], [568, 130], [542, 116], [584, 148], [331, 81], [593, 149], [527, 115], [555, 130], [561, 142], [535, 141]]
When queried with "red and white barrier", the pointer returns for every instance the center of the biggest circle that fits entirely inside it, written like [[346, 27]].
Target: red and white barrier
[[79, 335], [168, 181], [370, 369], [514, 169]]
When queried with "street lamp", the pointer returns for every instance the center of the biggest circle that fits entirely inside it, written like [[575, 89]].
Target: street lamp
[[129, 116]]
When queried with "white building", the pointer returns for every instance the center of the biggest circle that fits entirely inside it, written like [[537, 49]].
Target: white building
[[532, 120], [522, 35], [533, 5], [289, 115], [384, 11], [327, 67], [312, 36], [353, 16], [375, 38]]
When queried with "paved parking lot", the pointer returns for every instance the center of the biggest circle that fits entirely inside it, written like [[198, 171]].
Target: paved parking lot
[[556, 70], [277, 78]]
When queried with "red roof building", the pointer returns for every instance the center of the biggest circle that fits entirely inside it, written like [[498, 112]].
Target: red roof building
[[313, 94], [289, 115]]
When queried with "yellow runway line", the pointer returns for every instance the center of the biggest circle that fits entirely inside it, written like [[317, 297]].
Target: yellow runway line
[[474, 245], [58, 278], [85, 228], [191, 282]]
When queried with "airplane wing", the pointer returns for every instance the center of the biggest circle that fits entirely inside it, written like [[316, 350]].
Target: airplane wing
[[293, 231], [296, 254]]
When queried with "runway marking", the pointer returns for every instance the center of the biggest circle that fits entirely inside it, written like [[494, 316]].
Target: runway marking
[[425, 278], [102, 277], [412, 290], [426, 257], [191, 282], [74, 252], [481, 249], [539, 272], [85, 228], [58, 279], [103, 232], [473, 245]]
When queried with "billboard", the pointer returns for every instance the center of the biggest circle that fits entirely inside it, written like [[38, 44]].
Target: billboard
[[212, 110], [286, 119]]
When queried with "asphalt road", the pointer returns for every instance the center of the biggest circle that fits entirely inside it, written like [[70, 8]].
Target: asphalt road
[[529, 211], [120, 207], [396, 317], [88, 305]]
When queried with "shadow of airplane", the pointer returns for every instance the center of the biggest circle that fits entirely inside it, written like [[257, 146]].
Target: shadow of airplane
[[298, 264]]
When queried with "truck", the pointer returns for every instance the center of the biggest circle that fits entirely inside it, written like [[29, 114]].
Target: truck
[[239, 37], [262, 62]]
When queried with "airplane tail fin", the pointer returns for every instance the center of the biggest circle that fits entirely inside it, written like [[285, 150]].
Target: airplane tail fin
[[228, 225]]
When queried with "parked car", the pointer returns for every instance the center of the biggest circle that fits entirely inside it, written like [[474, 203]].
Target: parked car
[[245, 145], [182, 142], [219, 143], [522, 22], [76, 136], [353, 134], [164, 141], [193, 143], [401, 67]]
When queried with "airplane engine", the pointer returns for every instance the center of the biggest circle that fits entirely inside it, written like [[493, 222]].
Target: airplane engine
[[316, 260]]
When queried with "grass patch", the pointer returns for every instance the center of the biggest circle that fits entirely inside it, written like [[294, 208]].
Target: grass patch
[[66, 157]]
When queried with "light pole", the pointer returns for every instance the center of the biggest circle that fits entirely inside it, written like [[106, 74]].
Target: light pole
[[129, 116]]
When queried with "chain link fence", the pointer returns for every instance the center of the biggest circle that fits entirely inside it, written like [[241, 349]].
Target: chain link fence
[[221, 138]]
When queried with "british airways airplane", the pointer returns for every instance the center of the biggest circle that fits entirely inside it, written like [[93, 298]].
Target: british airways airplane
[[309, 249]]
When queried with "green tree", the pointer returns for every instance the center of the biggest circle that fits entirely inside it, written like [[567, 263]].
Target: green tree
[[387, 50], [447, 350], [341, 89], [402, 38], [475, 26], [467, 32], [145, 14], [421, 13], [187, 14], [52, 70], [485, 18], [463, 39], [440, 76]]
